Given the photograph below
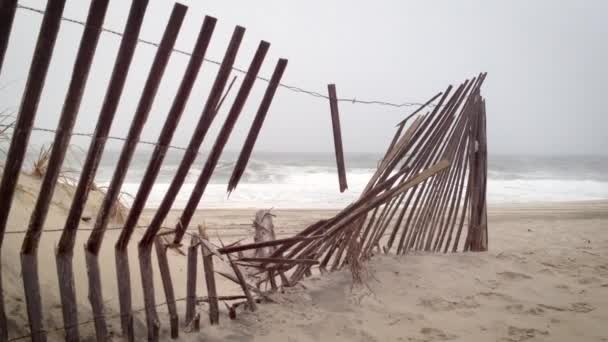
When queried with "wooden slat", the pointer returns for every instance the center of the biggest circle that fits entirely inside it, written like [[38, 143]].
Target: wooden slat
[[281, 261], [242, 283], [214, 314], [335, 121], [16, 153], [207, 116], [168, 130], [165, 275], [220, 142], [7, 14], [256, 126], [191, 299]]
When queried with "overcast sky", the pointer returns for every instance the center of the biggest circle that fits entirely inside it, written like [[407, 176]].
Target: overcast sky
[[547, 64]]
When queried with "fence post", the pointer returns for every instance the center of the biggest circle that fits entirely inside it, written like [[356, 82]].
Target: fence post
[[335, 121], [191, 319], [7, 14], [21, 134]]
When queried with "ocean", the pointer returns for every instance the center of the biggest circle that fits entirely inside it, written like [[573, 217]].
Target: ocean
[[309, 180]]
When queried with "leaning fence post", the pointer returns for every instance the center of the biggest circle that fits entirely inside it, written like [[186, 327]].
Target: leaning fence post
[[214, 314], [190, 318], [256, 126], [7, 14], [21, 134], [335, 122], [165, 273]]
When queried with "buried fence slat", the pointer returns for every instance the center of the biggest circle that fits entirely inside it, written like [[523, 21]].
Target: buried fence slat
[[256, 126], [18, 146], [335, 122], [165, 274], [214, 314], [7, 14], [124, 294], [220, 142], [207, 116], [191, 284]]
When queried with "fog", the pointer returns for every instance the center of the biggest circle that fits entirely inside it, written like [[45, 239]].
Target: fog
[[546, 64]]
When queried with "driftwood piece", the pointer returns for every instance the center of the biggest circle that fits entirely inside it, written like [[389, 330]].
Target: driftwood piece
[[165, 274], [335, 121]]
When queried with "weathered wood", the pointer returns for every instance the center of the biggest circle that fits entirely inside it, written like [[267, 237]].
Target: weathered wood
[[205, 121], [281, 261], [67, 290], [147, 279], [206, 299], [256, 126], [124, 294], [191, 284], [168, 130], [96, 296], [29, 269], [242, 283], [7, 14], [214, 314], [3, 322], [264, 231], [335, 121], [19, 141], [165, 274], [278, 242], [61, 141], [28, 108], [424, 105], [222, 138]]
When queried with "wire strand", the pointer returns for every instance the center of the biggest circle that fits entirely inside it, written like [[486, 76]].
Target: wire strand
[[262, 78]]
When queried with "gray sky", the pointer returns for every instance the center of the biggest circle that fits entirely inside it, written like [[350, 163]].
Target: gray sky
[[546, 64]]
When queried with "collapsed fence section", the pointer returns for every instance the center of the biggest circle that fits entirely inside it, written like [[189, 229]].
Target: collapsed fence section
[[431, 180]]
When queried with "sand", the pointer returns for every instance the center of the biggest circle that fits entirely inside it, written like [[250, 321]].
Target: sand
[[545, 278]]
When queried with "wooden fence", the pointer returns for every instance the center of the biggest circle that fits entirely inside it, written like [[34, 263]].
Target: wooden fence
[[431, 180]]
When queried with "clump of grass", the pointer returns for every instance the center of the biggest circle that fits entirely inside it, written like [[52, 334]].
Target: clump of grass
[[69, 175]]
